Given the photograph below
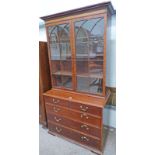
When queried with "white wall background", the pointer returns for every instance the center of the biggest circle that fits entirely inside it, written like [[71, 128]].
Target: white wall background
[[109, 117], [111, 55], [48, 7], [42, 33]]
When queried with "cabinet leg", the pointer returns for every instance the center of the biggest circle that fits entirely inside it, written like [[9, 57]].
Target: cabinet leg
[[44, 125], [51, 133]]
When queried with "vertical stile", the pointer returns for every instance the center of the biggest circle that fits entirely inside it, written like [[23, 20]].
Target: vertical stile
[[72, 39], [49, 55], [104, 54]]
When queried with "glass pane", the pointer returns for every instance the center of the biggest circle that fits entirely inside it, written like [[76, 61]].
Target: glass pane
[[65, 51], [82, 67], [82, 84], [55, 64], [59, 42], [95, 85], [96, 69], [57, 80], [89, 36], [66, 68], [60, 55], [81, 50], [67, 81], [61, 67], [54, 42]]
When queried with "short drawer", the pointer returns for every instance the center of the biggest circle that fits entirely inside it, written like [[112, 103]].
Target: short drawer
[[56, 101], [79, 116], [82, 127], [68, 133], [86, 108]]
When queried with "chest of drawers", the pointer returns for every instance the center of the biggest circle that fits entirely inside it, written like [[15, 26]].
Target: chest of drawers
[[77, 119]]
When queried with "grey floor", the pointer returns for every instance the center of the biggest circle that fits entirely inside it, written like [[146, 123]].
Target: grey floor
[[52, 145]]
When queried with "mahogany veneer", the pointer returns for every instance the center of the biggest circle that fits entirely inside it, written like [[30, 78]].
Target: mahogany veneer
[[44, 80], [80, 116], [75, 119], [74, 124], [74, 135], [77, 44]]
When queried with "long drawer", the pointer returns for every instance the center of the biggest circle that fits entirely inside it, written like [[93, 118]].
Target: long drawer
[[74, 105], [82, 127], [66, 132], [79, 116]]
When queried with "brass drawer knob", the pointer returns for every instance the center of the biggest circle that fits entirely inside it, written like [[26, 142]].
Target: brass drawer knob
[[83, 108], [84, 115], [56, 109], [55, 100], [85, 126], [83, 138], [57, 119], [58, 130]]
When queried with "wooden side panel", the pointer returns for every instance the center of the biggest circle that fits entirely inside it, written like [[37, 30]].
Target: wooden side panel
[[44, 80]]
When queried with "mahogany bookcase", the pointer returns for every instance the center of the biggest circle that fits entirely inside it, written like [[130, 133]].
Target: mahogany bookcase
[[77, 44]]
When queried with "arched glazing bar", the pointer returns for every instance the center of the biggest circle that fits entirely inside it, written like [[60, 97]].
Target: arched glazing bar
[[89, 54]]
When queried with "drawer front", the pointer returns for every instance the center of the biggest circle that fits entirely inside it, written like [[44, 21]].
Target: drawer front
[[82, 127], [79, 116], [56, 101], [85, 140], [74, 105], [86, 108]]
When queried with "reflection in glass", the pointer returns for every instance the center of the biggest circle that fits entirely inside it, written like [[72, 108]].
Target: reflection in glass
[[61, 63], [55, 65], [89, 54], [57, 81], [96, 69], [62, 81], [82, 67], [67, 81], [95, 85], [89, 38], [59, 42], [89, 85], [83, 84], [66, 67]]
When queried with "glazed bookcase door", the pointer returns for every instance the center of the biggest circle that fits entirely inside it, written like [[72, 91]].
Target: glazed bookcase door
[[60, 55], [89, 34]]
